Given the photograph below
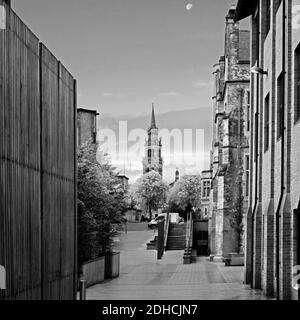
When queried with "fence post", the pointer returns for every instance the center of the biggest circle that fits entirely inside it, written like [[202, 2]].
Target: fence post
[[2, 278], [160, 239], [82, 289]]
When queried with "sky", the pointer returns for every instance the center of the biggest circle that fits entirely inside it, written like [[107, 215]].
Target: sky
[[126, 54]]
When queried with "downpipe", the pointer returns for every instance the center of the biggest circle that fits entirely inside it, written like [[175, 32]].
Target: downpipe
[[256, 152], [282, 188]]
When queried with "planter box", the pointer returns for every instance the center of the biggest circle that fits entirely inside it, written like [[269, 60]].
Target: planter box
[[186, 259], [152, 245], [93, 271], [112, 265]]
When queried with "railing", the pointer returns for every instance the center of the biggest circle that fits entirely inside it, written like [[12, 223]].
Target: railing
[[189, 231], [187, 257]]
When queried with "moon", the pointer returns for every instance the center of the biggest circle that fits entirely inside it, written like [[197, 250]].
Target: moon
[[189, 6]]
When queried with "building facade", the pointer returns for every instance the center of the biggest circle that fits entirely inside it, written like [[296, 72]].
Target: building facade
[[206, 177], [230, 147], [86, 126], [272, 247], [153, 158]]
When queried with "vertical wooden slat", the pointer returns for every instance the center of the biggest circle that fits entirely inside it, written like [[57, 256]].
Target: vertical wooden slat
[[37, 168]]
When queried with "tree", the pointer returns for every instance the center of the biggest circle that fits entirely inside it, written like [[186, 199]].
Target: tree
[[186, 193], [150, 192], [102, 201], [233, 194], [87, 234], [233, 191]]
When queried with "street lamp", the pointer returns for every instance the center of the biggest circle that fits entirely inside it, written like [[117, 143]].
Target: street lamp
[[258, 70]]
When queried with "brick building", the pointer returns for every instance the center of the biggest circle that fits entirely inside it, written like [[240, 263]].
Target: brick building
[[272, 247], [86, 125], [230, 149]]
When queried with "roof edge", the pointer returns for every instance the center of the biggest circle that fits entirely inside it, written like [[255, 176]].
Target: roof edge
[[244, 9]]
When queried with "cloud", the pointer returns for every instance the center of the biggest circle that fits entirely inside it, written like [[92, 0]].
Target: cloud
[[202, 84], [198, 118], [107, 95], [113, 95], [170, 94]]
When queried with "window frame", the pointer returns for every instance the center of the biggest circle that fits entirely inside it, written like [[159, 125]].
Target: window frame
[[297, 84], [267, 123], [280, 106], [247, 165], [268, 16]]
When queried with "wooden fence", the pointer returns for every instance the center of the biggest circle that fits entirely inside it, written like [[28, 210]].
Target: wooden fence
[[37, 167]]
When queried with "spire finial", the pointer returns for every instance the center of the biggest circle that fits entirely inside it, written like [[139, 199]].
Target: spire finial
[[153, 122]]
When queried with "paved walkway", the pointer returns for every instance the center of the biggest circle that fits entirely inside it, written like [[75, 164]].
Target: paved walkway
[[142, 277]]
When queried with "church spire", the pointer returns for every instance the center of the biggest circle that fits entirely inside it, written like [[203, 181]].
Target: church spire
[[153, 122]]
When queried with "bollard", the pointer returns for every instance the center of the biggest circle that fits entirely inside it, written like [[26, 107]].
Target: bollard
[[82, 289]]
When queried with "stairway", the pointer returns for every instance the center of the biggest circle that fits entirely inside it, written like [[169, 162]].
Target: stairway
[[176, 236]]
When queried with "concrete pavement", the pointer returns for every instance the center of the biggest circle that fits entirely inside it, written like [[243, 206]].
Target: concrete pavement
[[142, 277]]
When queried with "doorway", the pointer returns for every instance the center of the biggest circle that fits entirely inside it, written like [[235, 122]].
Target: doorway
[[200, 238]]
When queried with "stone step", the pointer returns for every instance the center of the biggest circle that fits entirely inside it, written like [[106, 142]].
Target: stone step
[[181, 245], [177, 228], [176, 233], [172, 238], [175, 248], [176, 237]]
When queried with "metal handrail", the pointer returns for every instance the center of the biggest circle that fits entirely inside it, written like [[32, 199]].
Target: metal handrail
[[189, 228], [191, 232], [187, 233]]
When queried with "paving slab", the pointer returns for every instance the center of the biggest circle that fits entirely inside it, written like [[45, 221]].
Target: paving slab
[[143, 277]]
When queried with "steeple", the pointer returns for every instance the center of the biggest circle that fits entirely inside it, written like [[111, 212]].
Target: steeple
[[153, 122], [153, 146], [177, 175]]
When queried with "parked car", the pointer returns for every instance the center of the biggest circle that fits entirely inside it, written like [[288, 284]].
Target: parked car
[[154, 222]]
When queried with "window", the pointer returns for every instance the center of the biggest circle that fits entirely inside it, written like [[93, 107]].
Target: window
[[247, 176], [268, 16], [248, 110], [267, 123], [206, 189], [150, 153], [94, 137], [205, 212], [297, 84], [256, 136], [280, 107]]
